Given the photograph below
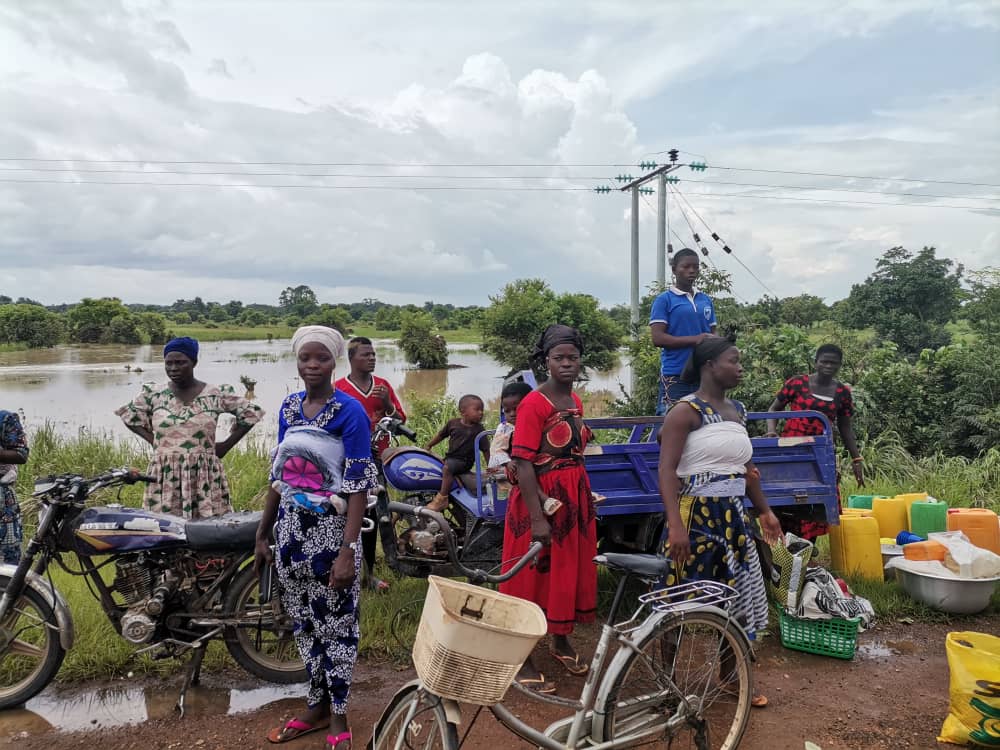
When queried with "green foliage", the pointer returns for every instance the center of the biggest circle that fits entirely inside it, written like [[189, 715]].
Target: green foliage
[[332, 317], [804, 310], [908, 299], [123, 329], [983, 308], [517, 316], [31, 325], [299, 300], [153, 327], [90, 321], [421, 345]]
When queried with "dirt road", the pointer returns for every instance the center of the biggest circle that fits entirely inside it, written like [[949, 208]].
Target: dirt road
[[894, 694]]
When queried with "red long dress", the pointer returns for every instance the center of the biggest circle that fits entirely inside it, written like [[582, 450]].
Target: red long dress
[[563, 582]]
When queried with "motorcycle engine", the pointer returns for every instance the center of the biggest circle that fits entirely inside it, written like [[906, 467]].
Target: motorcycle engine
[[134, 581], [423, 538]]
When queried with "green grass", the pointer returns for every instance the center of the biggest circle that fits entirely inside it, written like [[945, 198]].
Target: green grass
[[456, 336]]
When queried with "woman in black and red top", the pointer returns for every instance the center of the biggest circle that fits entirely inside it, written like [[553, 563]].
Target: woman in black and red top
[[821, 392]]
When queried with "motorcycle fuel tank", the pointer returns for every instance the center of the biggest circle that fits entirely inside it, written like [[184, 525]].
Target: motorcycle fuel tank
[[111, 529], [410, 469]]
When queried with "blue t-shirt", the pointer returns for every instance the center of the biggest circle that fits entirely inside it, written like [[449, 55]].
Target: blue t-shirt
[[683, 316]]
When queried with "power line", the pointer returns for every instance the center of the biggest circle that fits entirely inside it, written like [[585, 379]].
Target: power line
[[855, 176], [470, 165], [843, 190], [845, 202], [714, 235], [303, 174], [238, 163], [481, 188]]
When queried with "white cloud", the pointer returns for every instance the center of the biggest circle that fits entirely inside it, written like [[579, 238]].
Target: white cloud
[[426, 85]]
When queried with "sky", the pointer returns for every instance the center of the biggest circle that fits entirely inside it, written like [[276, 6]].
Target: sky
[[491, 110]]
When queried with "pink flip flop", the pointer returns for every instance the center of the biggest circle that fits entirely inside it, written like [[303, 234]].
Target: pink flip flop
[[342, 737], [294, 729]]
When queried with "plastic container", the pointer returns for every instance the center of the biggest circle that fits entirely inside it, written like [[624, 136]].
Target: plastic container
[[928, 516], [906, 537], [858, 512], [861, 501], [909, 498], [891, 515], [472, 641], [855, 548], [930, 550], [979, 524], [834, 637]]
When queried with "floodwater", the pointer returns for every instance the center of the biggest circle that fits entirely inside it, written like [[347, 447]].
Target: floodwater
[[74, 711], [78, 388]]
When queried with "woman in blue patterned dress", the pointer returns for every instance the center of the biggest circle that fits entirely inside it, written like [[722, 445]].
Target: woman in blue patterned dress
[[705, 472], [319, 480], [13, 451]]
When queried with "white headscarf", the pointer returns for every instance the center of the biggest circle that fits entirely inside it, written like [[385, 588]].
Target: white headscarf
[[328, 337]]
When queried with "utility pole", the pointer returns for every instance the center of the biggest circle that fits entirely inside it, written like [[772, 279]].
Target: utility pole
[[661, 231], [635, 186]]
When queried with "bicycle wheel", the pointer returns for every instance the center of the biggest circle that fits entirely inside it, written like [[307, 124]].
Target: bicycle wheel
[[708, 659], [415, 720]]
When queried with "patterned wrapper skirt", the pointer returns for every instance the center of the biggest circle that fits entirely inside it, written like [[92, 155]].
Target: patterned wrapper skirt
[[325, 619], [723, 549]]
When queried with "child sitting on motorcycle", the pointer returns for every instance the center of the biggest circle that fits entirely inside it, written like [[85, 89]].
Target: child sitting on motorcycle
[[461, 433]]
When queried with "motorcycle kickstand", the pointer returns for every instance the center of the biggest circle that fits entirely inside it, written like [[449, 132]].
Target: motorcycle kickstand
[[192, 677]]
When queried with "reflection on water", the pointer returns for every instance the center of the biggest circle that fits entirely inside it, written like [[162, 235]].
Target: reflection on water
[[80, 387], [119, 706]]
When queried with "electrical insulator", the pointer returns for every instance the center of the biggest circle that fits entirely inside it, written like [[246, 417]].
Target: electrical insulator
[[716, 237], [727, 248], [696, 237], [704, 251], [670, 249]]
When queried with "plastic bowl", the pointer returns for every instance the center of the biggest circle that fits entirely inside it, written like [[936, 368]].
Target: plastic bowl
[[963, 596]]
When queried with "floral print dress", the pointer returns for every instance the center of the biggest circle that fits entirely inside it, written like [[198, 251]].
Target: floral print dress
[[191, 481], [12, 438]]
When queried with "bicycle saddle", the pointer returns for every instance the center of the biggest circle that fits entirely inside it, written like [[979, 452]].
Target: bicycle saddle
[[651, 567]]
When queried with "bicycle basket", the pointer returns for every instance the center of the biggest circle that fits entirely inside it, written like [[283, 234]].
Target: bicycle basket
[[472, 641]]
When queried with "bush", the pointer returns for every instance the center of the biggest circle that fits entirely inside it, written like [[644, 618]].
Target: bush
[[31, 325], [420, 344]]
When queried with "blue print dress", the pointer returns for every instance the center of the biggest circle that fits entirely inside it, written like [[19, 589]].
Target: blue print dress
[[12, 438], [316, 462]]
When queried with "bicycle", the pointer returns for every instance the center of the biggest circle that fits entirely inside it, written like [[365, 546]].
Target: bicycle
[[680, 674]]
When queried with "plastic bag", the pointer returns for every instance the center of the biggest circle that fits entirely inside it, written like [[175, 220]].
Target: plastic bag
[[974, 708], [965, 559], [787, 561]]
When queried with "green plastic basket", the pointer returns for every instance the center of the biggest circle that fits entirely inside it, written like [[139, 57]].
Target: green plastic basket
[[834, 637]]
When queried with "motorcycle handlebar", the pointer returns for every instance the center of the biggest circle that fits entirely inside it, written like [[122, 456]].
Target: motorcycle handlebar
[[473, 574], [406, 432]]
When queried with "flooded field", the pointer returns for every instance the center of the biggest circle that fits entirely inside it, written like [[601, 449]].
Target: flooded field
[[80, 387]]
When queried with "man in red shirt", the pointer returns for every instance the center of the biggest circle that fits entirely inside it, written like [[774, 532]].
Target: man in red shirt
[[379, 400]]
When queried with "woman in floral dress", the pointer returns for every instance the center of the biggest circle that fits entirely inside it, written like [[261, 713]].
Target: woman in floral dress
[[179, 420], [13, 451]]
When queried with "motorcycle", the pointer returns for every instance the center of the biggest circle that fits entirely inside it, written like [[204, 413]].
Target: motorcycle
[[417, 545], [175, 586]]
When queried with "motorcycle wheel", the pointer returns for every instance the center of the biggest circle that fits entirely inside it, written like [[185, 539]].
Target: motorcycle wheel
[[30, 651], [262, 643]]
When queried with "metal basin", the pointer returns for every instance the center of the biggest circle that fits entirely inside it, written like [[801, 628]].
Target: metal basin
[[961, 596]]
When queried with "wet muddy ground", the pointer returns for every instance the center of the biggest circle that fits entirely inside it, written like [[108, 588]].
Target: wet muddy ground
[[894, 694]]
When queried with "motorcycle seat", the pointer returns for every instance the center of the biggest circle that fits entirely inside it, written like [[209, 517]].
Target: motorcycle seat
[[233, 532]]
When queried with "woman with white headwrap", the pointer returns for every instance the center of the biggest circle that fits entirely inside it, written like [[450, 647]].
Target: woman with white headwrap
[[319, 480]]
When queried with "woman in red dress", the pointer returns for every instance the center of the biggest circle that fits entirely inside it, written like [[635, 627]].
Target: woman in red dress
[[547, 458], [822, 392]]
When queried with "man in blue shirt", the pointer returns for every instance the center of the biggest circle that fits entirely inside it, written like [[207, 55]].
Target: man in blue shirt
[[679, 319]]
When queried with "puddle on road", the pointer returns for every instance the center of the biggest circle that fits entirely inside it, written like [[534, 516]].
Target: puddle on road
[[120, 706], [886, 649]]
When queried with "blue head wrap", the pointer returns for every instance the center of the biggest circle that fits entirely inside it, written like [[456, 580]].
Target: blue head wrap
[[185, 345]]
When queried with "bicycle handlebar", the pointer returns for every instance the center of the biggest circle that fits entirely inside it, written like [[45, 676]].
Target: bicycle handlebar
[[474, 575]]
